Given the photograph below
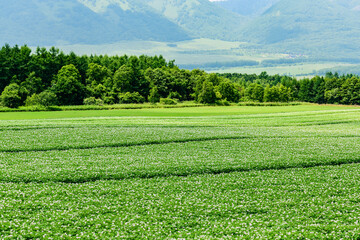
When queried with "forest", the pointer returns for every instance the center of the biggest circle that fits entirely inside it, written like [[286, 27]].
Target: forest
[[49, 77]]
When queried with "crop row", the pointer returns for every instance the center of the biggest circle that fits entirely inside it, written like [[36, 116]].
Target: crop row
[[280, 118], [315, 203], [42, 135], [179, 159]]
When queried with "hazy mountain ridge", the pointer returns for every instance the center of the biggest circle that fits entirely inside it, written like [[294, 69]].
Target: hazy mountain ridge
[[247, 7], [200, 18], [322, 27], [46, 22]]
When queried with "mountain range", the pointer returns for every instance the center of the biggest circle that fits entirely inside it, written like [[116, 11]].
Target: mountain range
[[324, 27], [48, 22]]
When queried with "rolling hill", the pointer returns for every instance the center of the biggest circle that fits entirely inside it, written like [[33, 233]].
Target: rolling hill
[[322, 27], [47, 22]]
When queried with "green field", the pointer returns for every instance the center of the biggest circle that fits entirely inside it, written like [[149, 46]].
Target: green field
[[236, 172]]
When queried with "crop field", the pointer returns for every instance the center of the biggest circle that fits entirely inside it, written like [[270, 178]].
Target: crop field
[[236, 172]]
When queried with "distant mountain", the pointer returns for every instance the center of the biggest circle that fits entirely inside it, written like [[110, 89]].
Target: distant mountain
[[200, 18], [49, 22], [325, 28], [247, 7], [322, 26]]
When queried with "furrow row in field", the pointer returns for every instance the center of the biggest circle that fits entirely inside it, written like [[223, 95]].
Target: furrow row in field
[[177, 159], [316, 203], [164, 142], [130, 144], [87, 137], [278, 119]]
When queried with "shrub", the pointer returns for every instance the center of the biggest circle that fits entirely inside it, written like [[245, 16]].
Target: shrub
[[174, 95], [207, 94], [68, 87], [229, 91], [223, 102], [167, 101], [10, 97], [109, 100], [45, 98], [154, 95], [32, 100], [48, 98], [93, 101], [128, 97]]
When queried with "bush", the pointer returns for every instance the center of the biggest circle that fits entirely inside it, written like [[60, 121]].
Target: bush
[[109, 100], [174, 95], [168, 101], [93, 101], [154, 95], [128, 97], [48, 98], [223, 102], [10, 97], [207, 94], [32, 100], [68, 87], [45, 98]]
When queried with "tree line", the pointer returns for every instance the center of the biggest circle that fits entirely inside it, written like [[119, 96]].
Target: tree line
[[49, 77], [329, 89]]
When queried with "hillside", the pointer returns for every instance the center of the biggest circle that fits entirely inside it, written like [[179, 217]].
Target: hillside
[[320, 27], [36, 22], [201, 18], [249, 8], [46, 22]]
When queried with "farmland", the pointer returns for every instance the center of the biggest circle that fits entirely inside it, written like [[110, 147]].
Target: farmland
[[202, 172]]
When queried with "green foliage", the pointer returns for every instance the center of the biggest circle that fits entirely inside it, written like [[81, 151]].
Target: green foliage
[[223, 102], [114, 79], [128, 97], [48, 98], [229, 91], [109, 99], [255, 92], [123, 79], [278, 93], [10, 97], [154, 95], [93, 101], [97, 74], [32, 100], [45, 99], [33, 84], [207, 94], [68, 87], [174, 95], [168, 101], [350, 91]]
